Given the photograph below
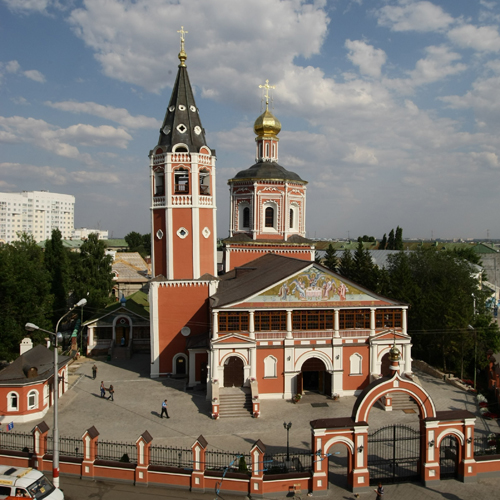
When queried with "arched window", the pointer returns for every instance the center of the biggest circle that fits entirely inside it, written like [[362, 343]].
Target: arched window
[[267, 150], [204, 182], [274, 151], [13, 401], [270, 367], [269, 217], [181, 181], [32, 400], [291, 218], [246, 217], [356, 364], [159, 184]]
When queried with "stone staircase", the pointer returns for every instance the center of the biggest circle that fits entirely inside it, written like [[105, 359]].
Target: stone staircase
[[235, 402], [402, 401]]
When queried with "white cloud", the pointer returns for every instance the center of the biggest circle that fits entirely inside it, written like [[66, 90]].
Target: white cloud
[[12, 67], [60, 141], [118, 115], [413, 16], [369, 59], [438, 64], [125, 38], [34, 75], [37, 6], [483, 38], [360, 155], [55, 175]]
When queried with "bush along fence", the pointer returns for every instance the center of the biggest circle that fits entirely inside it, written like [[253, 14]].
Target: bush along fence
[[256, 473]]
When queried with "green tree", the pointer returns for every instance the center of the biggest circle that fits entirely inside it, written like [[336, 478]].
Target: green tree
[[346, 264], [57, 264], [383, 243], [398, 240], [317, 257], [92, 275], [140, 243], [331, 260], [24, 294], [364, 270], [391, 241]]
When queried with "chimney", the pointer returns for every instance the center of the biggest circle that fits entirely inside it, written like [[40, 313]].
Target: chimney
[[25, 345]]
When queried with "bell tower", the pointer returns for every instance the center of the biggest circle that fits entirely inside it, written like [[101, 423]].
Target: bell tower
[[183, 206]]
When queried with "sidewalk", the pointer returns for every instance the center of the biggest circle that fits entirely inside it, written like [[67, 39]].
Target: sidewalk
[[137, 407]]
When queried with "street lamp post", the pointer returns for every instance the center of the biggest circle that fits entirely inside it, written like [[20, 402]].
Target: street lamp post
[[31, 327], [287, 427]]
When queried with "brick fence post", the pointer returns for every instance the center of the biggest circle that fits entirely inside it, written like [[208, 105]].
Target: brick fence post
[[198, 475], [40, 433], [89, 452], [143, 449], [257, 478]]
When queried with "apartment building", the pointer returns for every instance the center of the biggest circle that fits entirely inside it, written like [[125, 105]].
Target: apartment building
[[36, 213]]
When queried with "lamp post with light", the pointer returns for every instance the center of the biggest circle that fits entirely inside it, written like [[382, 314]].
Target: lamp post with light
[[287, 427], [57, 336]]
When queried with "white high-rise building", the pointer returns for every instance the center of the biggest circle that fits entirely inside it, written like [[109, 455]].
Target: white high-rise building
[[36, 213]]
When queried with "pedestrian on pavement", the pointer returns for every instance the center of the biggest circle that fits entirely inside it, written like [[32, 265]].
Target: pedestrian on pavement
[[111, 392], [103, 389], [379, 491], [94, 371], [164, 409]]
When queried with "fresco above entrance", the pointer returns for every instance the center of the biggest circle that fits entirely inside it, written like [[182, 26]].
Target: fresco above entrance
[[313, 285]]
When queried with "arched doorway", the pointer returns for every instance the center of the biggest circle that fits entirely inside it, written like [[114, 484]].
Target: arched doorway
[[339, 465], [233, 372], [314, 377], [180, 365], [448, 457], [385, 365]]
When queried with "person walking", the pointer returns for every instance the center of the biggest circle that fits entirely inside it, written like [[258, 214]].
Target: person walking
[[164, 409], [379, 491], [103, 389], [111, 392], [94, 371]]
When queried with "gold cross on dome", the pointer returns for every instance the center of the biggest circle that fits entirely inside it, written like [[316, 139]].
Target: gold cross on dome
[[182, 32], [267, 87]]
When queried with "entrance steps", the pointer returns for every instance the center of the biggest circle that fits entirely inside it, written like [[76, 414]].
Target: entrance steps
[[235, 402], [402, 401]]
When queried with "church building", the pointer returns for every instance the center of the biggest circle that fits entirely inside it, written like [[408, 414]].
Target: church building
[[275, 321]]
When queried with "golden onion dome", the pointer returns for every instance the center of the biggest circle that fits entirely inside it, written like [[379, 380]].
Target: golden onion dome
[[267, 125], [394, 354]]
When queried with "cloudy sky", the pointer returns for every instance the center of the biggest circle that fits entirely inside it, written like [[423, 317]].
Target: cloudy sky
[[389, 108]]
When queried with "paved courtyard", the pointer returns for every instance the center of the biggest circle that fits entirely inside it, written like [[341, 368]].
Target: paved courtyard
[[137, 407]]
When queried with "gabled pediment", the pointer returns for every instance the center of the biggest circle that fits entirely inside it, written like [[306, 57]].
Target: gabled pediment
[[389, 336], [314, 286], [232, 338]]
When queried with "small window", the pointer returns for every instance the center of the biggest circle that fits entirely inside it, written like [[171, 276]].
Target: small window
[[291, 218], [13, 401], [356, 364], [246, 217], [205, 182], [269, 217], [270, 367], [160, 184], [32, 400], [181, 181]]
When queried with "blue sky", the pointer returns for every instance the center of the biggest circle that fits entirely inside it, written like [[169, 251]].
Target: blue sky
[[389, 108]]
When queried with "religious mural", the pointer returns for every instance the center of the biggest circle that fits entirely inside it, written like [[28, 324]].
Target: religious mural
[[313, 285]]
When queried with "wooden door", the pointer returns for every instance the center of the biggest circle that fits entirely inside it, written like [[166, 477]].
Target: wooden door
[[233, 372]]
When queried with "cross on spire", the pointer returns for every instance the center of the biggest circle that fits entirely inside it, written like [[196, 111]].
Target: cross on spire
[[267, 87], [182, 53]]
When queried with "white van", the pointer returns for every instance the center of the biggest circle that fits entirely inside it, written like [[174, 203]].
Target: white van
[[26, 482]]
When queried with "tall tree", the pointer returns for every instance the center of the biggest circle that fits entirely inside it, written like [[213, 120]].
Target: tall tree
[[92, 275], [398, 240], [24, 294], [57, 264], [331, 260], [383, 243], [364, 270], [346, 264], [391, 241]]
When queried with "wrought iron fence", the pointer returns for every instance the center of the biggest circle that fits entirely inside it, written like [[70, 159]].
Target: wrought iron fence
[[16, 441], [487, 445], [277, 463], [171, 456], [220, 460], [68, 446], [119, 452]]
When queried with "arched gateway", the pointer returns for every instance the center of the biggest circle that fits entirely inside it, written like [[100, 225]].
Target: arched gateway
[[353, 433]]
